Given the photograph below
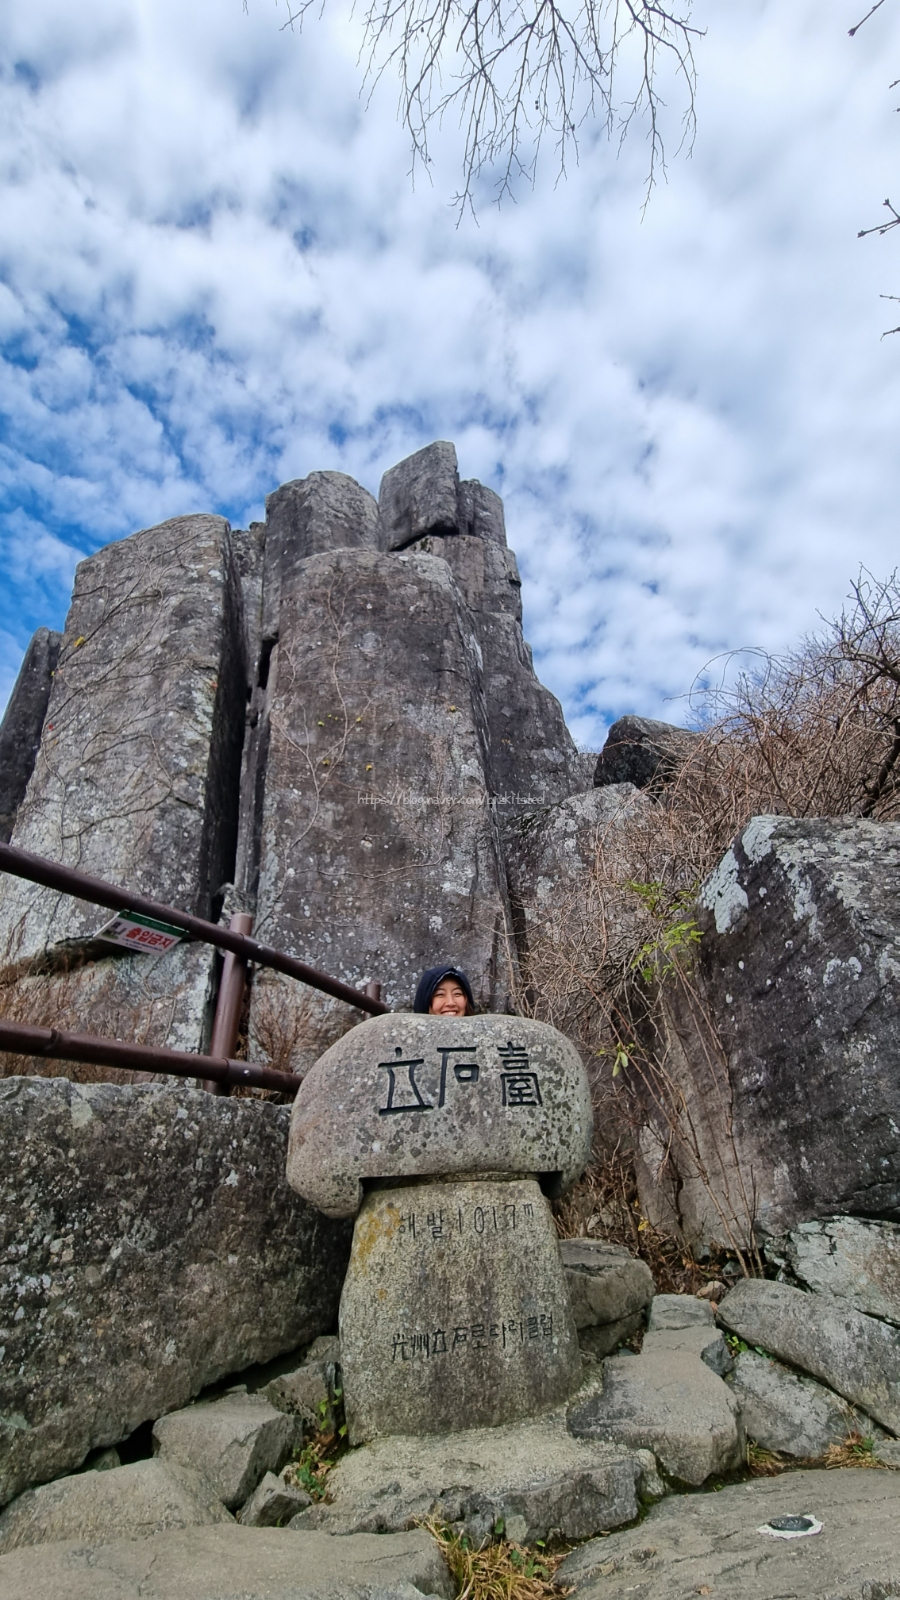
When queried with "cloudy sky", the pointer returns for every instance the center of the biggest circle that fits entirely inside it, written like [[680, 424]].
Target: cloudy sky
[[215, 275]]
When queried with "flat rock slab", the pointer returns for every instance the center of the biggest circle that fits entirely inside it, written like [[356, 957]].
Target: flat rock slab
[[216, 1563], [414, 1096], [454, 1312], [853, 1258], [668, 1402], [532, 1476], [856, 1355], [235, 1441], [790, 1413], [709, 1544], [130, 1502]]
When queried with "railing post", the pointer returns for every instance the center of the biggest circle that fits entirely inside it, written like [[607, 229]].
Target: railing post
[[373, 990], [230, 1002]]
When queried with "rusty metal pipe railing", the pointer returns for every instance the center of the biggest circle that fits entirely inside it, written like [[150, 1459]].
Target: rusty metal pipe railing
[[37, 869], [57, 1045], [230, 1002]]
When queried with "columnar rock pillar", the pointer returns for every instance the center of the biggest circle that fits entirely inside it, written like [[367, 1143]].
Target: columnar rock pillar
[[434, 1132]]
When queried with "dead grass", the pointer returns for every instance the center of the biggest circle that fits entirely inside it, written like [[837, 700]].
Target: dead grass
[[498, 1569], [854, 1451]]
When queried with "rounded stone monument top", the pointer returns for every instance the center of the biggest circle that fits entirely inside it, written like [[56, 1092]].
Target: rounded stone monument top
[[405, 1096]]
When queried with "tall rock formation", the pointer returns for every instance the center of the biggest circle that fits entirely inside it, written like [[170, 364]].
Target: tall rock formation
[[136, 781], [333, 712]]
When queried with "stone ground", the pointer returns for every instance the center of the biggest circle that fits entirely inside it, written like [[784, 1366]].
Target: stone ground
[[709, 1544], [230, 1563]]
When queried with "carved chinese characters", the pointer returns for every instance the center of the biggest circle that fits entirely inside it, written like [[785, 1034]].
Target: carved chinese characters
[[455, 1312], [417, 1096]]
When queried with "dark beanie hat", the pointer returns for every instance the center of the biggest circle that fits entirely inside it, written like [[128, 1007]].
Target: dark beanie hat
[[430, 980]]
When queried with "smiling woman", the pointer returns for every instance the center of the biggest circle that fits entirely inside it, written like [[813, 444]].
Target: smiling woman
[[444, 992]]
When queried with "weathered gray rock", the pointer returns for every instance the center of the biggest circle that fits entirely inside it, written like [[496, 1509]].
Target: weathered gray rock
[[225, 1562], [235, 1441], [420, 496], [785, 1411], [680, 1323], [307, 1390], [379, 855], [150, 1245], [784, 1045], [643, 752], [671, 1403], [711, 1544], [124, 1503], [530, 1476], [23, 720], [887, 1451], [852, 1258], [532, 759], [454, 1312], [324, 511], [551, 854], [676, 1313], [414, 1096], [608, 1291], [272, 1503], [857, 1356], [136, 780]]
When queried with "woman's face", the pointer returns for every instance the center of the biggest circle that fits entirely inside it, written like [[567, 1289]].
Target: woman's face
[[448, 1000]]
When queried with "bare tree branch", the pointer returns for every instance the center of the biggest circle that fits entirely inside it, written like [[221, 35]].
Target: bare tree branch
[[519, 72]]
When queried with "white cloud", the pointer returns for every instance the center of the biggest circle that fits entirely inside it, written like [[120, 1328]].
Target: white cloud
[[215, 275]]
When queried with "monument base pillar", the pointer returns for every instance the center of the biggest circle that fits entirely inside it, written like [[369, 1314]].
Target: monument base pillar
[[455, 1312]]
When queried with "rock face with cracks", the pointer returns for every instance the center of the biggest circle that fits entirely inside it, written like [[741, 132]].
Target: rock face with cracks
[[712, 1544], [234, 1441], [130, 1502], [792, 1097], [854, 1259], [857, 1356], [532, 1477], [149, 1245], [788, 1412], [414, 1096], [454, 1312], [23, 720], [231, 1563]]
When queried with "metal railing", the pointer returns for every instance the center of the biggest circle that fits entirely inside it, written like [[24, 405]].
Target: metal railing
[[217, 1070]]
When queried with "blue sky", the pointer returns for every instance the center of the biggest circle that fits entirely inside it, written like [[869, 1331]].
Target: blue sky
[[216, 275]]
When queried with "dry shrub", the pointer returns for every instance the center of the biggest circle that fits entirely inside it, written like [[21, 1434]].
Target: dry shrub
[[814, 733], [498, 1569], [290, 1026]]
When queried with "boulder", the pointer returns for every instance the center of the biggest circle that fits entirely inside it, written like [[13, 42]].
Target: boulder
[[781, 1049], [324, 511], [23, 720], [608, 1291], [273, 1503], [526, 1478], [231, 1563], [420, 496], [668, 1402], [136, 781], [307, 1390], [850, 1258], [788, 1412], [414, 1096], [235, 1441], [712, 1544], [682, 1323], [454, 1312], [378, 855], [855, 1355], [150, 1245], [643, 752], [124, 1503], [887, 1452]]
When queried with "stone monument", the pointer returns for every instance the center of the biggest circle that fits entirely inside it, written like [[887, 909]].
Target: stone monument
[[445, 1138]]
